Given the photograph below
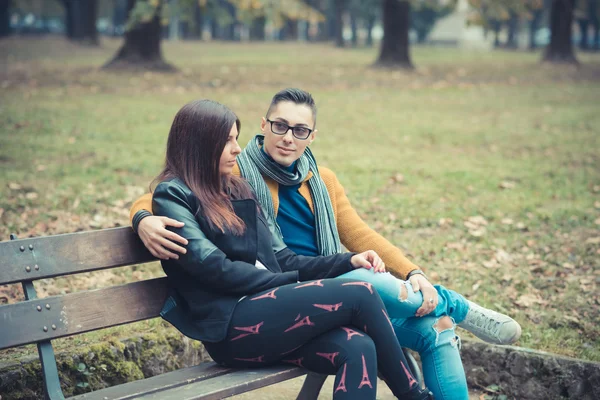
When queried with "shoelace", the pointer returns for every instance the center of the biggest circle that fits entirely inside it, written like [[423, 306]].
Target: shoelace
[[486, 323]]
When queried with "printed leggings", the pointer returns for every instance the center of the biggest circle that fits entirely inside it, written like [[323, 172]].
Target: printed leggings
[[329, 326]]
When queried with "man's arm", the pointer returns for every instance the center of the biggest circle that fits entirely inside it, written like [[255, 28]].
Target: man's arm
[[161, 242]]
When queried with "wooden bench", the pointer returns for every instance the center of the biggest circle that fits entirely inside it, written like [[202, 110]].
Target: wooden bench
[[42, 320]]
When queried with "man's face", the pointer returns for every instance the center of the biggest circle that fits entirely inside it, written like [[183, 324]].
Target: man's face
[[285, 149]]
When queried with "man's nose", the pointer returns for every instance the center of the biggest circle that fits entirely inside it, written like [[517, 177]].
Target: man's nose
[[289, 136]]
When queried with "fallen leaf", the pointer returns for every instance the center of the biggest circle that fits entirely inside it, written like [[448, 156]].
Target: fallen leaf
[[507, 221], [595, 240], [14, 186], [597, 204], [477, 232], [503, 257], [490, 264], [478, 220], [507, 185], [31, 196], [568, 266], [398, 178], [521, 226]]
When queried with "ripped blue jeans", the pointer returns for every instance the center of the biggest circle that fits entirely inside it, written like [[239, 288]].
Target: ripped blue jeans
[[442, 367]]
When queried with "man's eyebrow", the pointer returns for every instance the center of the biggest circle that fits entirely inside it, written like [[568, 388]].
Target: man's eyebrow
[[287, 122]]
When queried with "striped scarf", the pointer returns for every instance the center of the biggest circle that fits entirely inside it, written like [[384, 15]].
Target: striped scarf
[[254, 164]]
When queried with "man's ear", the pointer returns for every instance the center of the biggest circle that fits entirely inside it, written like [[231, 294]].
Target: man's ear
[[263, 124]]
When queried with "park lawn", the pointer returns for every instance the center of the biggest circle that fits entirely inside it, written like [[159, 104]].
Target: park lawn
[[483, 167]]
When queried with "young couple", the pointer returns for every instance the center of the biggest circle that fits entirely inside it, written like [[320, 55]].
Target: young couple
[[250, 261]]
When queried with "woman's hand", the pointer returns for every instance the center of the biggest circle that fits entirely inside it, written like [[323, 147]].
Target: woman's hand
[[158, 240], [430, 295], [368, 259]]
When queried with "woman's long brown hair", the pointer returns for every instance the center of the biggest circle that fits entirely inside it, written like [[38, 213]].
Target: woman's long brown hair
[[196, 141]]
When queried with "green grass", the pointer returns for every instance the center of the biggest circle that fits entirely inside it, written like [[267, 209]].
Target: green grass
[[78, 145]]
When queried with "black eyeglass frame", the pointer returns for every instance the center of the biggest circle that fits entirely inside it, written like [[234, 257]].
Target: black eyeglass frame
[[292, 128]]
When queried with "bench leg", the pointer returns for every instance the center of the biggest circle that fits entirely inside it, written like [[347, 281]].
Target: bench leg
[[312, 386], [413, 365]]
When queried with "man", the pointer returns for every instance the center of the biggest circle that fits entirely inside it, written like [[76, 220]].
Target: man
[[315, 217]]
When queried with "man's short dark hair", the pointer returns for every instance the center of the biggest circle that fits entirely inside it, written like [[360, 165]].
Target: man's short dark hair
[[296, 96]]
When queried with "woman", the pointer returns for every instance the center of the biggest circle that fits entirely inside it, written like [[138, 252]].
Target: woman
[[252, 301]]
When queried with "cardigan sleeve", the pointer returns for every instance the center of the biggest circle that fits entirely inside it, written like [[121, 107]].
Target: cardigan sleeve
[[141, 208], [357, 236]]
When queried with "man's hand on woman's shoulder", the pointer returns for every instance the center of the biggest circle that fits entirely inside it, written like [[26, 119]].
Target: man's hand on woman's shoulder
[[161, 242]]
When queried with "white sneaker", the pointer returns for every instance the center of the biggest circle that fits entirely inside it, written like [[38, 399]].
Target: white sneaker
[[491, 326]]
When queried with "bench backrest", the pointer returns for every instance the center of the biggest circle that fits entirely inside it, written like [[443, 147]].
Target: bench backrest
[[41, 320]]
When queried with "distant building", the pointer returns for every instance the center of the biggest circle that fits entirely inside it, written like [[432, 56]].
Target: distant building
[[453, 30]]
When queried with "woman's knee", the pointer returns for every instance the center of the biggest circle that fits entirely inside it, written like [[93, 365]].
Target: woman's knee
[[363, 293], [357, 343]]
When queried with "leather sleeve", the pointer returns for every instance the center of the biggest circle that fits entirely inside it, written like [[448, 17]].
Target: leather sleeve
[[319, 267], [203, 260], [308, 268]]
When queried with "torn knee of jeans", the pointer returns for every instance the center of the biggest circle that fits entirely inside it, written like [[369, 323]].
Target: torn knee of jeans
[[443, 324], [403, 295]]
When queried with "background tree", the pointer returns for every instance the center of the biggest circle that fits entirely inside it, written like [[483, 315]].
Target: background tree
[[394, 50], [141, 45], [4, 18], [80, 20], [366, 13], [560, 49], [340, 7], [424, 15], [587, 16]]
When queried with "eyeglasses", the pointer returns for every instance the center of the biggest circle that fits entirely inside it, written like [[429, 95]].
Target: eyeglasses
[[280, 128]]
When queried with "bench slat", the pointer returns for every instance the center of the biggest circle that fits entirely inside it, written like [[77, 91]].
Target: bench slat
[[236, 382], [80, 312], [157, 383], [69, 254]]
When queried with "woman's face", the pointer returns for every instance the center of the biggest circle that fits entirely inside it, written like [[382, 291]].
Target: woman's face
[[230, 152]]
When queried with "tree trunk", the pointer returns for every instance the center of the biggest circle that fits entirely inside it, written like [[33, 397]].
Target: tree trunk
[[289, 30], [196, 33], [370, 25], [583, 27], [4, 18], [214, 29], [560, 49], [534, 25], [354, 29], [595, 21], [395, 46], [496, 27], [513, 26], [340, 6], [81, 21], [257, 30], [141, 47], [174, 21], [119, 17]]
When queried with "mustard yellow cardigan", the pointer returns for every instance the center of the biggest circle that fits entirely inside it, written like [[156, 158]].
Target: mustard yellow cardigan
[[354, 233]]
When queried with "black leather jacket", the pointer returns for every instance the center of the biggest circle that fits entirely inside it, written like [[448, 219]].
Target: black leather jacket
[[218, 269]]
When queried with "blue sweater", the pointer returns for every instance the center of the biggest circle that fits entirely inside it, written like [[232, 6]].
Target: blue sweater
[[296, 220]]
